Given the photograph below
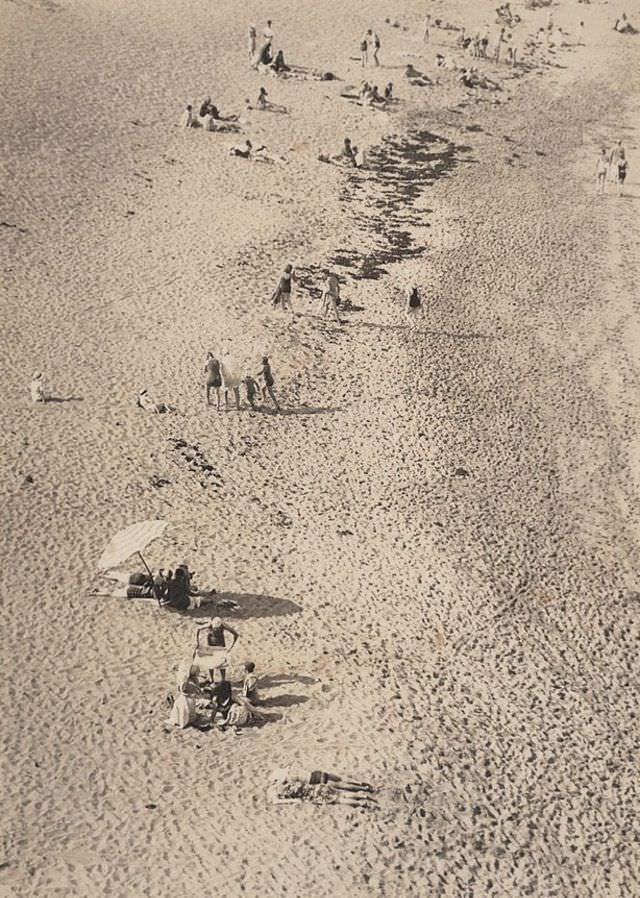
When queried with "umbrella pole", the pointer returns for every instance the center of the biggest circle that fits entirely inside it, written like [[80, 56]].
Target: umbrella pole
[[148, 571]]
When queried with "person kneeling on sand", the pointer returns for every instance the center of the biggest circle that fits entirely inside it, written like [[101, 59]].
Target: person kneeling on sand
[[318, 787]]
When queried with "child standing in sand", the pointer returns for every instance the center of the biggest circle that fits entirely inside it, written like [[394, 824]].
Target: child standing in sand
[[601, 171], [252, 389], [250, 682]]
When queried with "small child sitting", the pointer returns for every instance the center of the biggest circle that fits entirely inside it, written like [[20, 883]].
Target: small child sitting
[[250, 682]]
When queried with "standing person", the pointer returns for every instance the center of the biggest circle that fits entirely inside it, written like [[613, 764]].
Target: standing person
[[251, 41], [231, 380], [187, 119], [282, 293], [268, 32], [375, 40], [615, 155], [622, 173], [216, 640], [580, 36], [427, 26], [601, 171], [499, 42], [413, 307], [364, 46], [267, 381], [331, 297], [214, 378]]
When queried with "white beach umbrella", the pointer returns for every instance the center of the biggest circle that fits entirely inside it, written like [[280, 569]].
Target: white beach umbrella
[[130, 541]]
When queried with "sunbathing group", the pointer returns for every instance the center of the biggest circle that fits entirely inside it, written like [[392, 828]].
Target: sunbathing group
[[173, 588], [208, 117], [320, 788]]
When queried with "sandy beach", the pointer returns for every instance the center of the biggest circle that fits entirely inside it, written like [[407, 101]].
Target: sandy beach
[[432, 552]]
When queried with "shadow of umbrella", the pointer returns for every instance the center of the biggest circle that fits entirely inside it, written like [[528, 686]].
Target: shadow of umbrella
[[249, 605]]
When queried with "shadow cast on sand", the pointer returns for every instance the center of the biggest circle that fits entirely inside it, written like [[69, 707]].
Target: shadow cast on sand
[[287, 700], [249, 605], [64, 399], [271, 680]]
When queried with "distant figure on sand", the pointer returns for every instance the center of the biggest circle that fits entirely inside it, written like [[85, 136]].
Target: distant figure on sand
[[214, 378], [622, 174], [187, 119], [602, 167], [147, 404], [266, 375], [251, 41], [331, 297], [364, 50], [282, 293], [413, 307], [318, 787], [38, 392], [250, 682], [427, 26]]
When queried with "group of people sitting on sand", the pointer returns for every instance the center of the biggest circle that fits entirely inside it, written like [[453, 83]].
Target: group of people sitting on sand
[[207, 116]]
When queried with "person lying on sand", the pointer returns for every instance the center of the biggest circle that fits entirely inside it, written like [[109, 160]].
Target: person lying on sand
[[147, 404], [624, 26], [318, 787], [416, 78], [472, 78], [255, 154]]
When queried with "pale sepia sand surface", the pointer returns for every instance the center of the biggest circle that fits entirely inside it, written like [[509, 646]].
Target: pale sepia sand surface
[[434, 550]]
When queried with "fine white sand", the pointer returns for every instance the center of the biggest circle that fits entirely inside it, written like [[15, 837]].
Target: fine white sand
[[434, 550]]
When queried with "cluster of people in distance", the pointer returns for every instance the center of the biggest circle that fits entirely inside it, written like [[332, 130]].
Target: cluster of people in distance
[[208, 116], [329, 300], [612, 164], [369, 48]]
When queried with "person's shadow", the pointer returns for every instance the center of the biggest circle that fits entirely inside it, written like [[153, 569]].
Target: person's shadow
[[286, 700], [64, 399]]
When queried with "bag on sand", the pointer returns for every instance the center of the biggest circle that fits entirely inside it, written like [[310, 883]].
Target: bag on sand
[[183, 712]]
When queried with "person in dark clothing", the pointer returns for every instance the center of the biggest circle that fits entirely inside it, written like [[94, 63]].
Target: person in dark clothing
[[267, 381], [177, 590]]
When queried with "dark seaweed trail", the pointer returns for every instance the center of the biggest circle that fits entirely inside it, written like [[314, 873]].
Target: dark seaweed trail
[[396, 174]]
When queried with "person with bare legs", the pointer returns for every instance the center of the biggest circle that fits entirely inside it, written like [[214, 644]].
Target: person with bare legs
[[331, 297], [320, 788], [214, 378], [267, 381], [602, 167]]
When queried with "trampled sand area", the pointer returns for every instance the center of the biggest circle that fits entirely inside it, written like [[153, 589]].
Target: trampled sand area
[[433, 550]]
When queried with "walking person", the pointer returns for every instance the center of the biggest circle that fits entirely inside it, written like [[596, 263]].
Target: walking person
[[499, 42], [282, 293], [214, 378], [580, 35], [267, 381], [427, 27], [622, 174], [615, 155], [364, 48], [331, 297], [602, 167]]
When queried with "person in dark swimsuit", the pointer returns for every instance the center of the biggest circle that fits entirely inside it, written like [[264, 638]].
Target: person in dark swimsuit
[[177, 591], [267, 381], [214, 378], [282, 293], [215, 639]]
